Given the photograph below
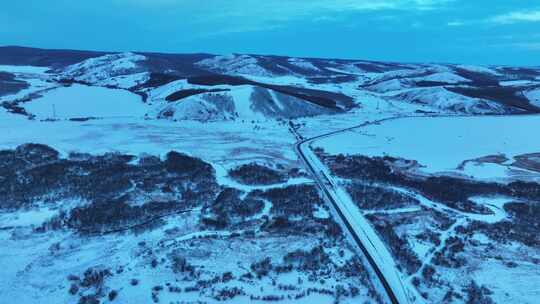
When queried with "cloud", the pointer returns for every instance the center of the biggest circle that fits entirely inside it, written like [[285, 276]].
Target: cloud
[[286, 9], [515, 17], [455, 23], [520, 45], [235, 16], [502, 19], [293, 5], [531, 46]]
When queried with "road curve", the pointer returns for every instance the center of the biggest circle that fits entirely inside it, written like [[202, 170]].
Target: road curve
[[390, 280], [378, 256]]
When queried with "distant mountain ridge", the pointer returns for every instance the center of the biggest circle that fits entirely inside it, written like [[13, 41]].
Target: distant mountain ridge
[[259, 87]]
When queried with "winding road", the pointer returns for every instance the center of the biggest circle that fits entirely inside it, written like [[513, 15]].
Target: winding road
[[358, 227], [397, 288]]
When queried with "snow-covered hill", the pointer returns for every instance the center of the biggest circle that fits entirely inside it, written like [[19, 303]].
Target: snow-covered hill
[[254, 87], [235, 65], [441, 100], [246, 102], [145, 177], [119, 70]]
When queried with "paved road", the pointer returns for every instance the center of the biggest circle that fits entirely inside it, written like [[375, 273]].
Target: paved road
[[376, 252], [356, 224]]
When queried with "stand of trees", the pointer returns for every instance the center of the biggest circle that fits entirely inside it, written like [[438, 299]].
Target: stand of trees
[[117, 192], [255, 174], [452, 191]]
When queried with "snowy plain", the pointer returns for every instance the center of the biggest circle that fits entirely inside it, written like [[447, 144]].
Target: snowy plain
[[79, 101], [441, 144]]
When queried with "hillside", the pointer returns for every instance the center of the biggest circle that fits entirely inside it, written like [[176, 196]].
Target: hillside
[[190, 178], [252, 87]]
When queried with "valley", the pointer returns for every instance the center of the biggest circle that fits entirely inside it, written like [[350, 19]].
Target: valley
[[191, 178]]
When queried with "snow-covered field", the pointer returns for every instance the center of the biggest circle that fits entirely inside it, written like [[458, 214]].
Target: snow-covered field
[[534, 96], [23, 69], [442, 254], [223, 144], [442, 144], [78, 101], [216, 142], [125, 106]]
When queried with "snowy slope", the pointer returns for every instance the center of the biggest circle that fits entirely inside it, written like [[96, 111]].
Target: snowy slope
[[119, 70], [303, 64], [441, 99], [479, 69], [446, 77], [35, 79], [424, 87], [534, 97], [234, 65], [389, 85], [246, 102]]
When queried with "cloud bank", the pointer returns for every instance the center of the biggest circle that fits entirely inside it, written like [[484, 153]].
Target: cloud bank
[[515, 17]]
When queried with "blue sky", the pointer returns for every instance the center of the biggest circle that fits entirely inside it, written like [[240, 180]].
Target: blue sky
[[460, 31]]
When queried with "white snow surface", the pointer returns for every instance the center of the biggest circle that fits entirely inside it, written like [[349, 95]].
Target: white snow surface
[[120, 69], [439, 98], [479, 69], [509, 284], [27, 217], [389, 85], [23, 69], [517, 83], [234, 64], [303, 64], [346, 68], [79, 101], [534, 97], [485, 170], [240, 142], [243, 102], [440, 144], [446, 77]]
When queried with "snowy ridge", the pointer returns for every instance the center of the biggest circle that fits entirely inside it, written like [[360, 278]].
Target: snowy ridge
[[235, 65], [400, 73], [303, 64], [249, 103], [434, 88], [446, 77], [390, 85], [479, 69], [440, 98], [345, 68], [119, 70]]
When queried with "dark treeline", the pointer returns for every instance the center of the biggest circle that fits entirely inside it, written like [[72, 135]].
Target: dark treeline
[[115, 189], [452, 191], [255, 174]]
